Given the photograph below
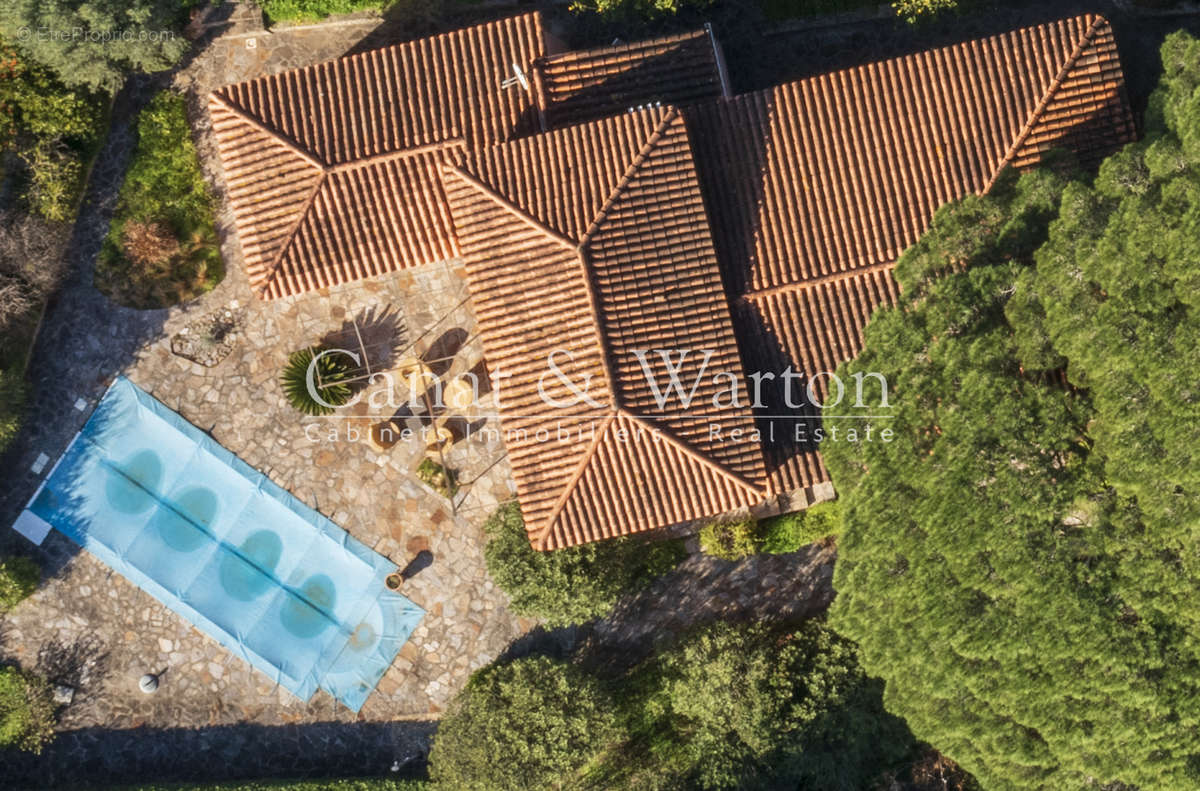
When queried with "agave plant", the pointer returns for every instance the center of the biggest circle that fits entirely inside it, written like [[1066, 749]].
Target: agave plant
[[329, 380]]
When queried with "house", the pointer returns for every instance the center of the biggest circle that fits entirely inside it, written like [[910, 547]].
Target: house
[[590, 243], [619, 200], [332, 170]]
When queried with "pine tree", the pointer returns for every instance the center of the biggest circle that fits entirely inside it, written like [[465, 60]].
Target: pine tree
[[1020, 564]]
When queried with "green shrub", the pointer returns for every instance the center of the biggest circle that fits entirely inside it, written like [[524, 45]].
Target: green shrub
[[53, 129], [916, 11], [161, 247], [40, 107], [55, 178], [19, 577], [26, 710], [574, 584], [637, 10], [789, 532], [730, 540], [329, 378], [438, 478], [310, 10], [527, 724]]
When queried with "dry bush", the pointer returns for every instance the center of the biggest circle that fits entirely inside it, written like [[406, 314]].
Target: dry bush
[[15, 299], [31, 251], [149, 244], [31, 266]]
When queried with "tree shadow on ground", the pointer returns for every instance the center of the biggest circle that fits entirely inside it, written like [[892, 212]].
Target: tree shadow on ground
[[703, 589], [80, 664], [101, 756], [379, 332]]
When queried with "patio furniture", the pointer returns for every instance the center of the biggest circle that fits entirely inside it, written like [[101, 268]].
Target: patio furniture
[[459, 394], [440, 436], [416, 375]]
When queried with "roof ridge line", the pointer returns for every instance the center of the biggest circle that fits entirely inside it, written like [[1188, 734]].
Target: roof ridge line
[[512, 209], [598, 322], [696, 455], [803, 285], [272, 269], [580, 468], [634, 165], [388, 156], [1084, 42], [273, 133]]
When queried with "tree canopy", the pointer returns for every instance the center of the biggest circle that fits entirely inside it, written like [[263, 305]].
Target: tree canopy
[[93, 44], [759, 706], [530, 723], [726, 706], [1020, 564]]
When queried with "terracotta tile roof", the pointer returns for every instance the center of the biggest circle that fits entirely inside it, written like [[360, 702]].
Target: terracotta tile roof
[[574, 87], [816, 187], [594, 239], [332, 169]]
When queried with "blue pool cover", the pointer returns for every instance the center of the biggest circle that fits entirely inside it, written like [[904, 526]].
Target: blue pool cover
[[212, 538]]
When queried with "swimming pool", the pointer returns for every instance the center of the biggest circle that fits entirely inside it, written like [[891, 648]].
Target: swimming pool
[[216, 541]]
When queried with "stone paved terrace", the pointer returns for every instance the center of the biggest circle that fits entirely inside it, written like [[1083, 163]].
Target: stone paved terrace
[[88, 624]]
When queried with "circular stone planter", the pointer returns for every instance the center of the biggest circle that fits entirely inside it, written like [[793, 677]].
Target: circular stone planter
[[394, 581], [209, 339]]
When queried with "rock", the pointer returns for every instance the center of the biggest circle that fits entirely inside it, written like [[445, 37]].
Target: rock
[[63, 694]]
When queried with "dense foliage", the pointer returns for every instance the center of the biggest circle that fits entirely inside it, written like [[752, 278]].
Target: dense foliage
[[309, 10], [730, 540], [728, 706], [52, 129], [363, 784], [162, 245], [1019, 565], [636, 10], [19, 577], [756, 706], [572, 585], [328, 379], [789, 532], [93, 44], [917, 11], [26, 710], [530, 723]]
